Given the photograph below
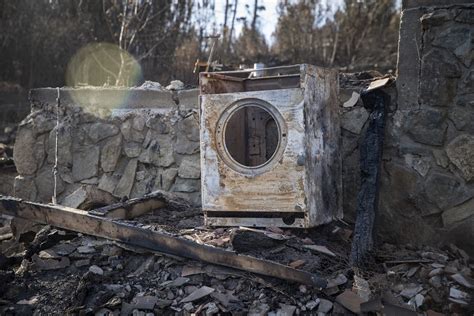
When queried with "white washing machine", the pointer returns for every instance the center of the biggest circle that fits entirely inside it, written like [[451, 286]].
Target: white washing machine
[[270, 147]]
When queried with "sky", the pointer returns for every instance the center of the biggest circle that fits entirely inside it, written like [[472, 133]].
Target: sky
[[268, 17]]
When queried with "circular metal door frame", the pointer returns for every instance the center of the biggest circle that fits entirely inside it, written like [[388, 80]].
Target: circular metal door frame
[[220, 136]]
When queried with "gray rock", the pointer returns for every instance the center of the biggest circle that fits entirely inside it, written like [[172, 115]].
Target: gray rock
[[445, 190], [458, 213], [124, 187], [354, 119], [190, 167], [131, 134], [434, 272], [45, 184], [96, 270], [419, 299], [86, 249], [159, 152], [158, 123], [144, 185], [286, 310], [462, 280], [436, 282], [457, 40], [29, 151], [258, 309], [50, 264], [190, 127], [340, 279], [461, 153], [111, 153], [185, 146], [25, 188], [108, 183], [138, 123], [463, 118], [411, 290], [211, 309], [324, 306], [441, 158], [458, 294], [165, 179], [140, 175], [85, 162], [145, 302], [438, 257], [76, 198], [175, 85], [421, 164], [132, 150], [151, 85], [99, 131], [427, 127], [312, 304], [439, 75], [198, 294], [186, 185], [66, 176], [64, 249], [43, 122]]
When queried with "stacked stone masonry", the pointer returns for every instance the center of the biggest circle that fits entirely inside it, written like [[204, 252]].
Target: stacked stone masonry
[[125, 143], [427, 193]]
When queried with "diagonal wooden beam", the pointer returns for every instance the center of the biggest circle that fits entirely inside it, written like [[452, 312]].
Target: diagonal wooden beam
[[138, 206], [83, 222]]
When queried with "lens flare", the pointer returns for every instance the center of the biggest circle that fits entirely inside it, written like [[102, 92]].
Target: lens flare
[[102, 65]]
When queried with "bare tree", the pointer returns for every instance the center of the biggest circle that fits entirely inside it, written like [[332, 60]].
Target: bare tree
[[140, 27]]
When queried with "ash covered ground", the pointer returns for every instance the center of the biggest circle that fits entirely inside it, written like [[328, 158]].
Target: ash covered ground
[[55, 272]]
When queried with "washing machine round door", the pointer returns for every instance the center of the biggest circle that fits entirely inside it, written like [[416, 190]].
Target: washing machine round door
[[251, 136]]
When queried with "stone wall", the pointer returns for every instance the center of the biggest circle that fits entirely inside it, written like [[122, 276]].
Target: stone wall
[[427, 181], [113, 143], [427, 193]]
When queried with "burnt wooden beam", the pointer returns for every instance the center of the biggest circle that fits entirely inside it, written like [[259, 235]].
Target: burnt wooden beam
[[105, 227], [371, 150], [138, 206]]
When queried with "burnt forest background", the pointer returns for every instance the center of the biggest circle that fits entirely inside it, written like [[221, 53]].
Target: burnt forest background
[[39, 38]]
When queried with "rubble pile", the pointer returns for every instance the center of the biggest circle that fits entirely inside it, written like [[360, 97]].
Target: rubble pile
[[56, 271]]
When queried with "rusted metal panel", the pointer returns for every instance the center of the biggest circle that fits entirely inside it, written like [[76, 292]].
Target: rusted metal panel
[[216, 83], [306, 169]]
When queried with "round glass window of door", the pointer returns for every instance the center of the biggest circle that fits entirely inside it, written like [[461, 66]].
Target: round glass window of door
[[251, 136]]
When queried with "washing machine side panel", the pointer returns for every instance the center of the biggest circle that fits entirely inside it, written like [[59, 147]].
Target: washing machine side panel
[[281, 189], [211, 108], [323, 155]]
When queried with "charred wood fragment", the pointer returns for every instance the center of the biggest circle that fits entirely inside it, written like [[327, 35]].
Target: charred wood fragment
[[371, 150]]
